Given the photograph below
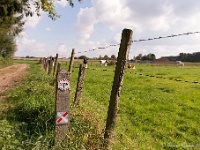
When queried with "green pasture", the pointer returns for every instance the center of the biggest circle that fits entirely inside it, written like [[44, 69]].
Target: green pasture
[[159, 109]]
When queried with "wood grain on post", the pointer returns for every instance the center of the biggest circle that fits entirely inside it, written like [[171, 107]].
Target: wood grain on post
[[71, 60], [62, 106], [80, 83], [117, 85]]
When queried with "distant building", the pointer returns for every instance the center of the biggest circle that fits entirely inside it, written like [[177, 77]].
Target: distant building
[[161, 60]]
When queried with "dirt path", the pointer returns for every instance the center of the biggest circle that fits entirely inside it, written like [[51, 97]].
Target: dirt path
[[11, 75]]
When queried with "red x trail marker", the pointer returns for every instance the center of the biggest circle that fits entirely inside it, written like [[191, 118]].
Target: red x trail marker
[[62, 118]]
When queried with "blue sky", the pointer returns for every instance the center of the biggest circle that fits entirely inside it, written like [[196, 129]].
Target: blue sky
[[95, 23]]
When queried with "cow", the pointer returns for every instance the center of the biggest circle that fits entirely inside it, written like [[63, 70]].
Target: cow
[[104, 62], [180, 63]]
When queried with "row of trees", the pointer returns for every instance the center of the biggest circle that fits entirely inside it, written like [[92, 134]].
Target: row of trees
[[105, 57], [186, 57], [12, 13], [149, 56]]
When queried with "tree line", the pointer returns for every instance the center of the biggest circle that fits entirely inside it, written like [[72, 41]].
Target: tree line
[[186, 57], [149, 56], [105, 57]]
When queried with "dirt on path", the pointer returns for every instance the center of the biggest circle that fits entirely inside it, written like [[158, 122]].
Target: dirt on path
[[11, 75]]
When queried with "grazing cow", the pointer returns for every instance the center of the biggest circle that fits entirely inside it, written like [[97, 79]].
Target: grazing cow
[[180, 63], [85, 62], [104, 62], [131, 66]]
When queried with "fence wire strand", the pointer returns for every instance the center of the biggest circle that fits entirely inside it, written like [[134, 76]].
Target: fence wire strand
[[141, 40]]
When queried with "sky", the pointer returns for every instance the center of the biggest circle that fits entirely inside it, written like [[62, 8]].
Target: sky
[[99, 23]]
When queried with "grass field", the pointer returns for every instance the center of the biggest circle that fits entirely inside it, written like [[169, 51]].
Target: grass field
[[159, 109]]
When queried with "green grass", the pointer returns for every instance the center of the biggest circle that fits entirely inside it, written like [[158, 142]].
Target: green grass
[[155, 111], [5, 62]]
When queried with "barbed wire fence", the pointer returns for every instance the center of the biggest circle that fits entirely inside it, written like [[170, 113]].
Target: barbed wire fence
[[140, 40]]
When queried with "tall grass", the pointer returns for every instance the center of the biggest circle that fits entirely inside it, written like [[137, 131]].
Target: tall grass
[[5, 61], [29, 121]]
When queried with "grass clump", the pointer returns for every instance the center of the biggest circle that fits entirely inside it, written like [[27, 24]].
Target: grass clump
[[4, 61]]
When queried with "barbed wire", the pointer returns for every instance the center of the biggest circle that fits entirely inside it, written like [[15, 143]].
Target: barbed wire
[[140, 40], [162, 37], [101, 47]]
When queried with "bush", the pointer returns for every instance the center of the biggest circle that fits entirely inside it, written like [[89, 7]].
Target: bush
[[5, 61]]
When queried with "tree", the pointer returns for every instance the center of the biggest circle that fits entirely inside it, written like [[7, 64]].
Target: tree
[[106, 57], [100, 57], [113, 57], [139, 57], [44, 5], [82, 57], [11, 24], [11, 14]]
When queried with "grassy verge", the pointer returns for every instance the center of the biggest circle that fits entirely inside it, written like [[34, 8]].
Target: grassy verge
[[5, 62], [28, 120]]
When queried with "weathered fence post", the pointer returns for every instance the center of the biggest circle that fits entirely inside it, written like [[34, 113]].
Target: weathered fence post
[[62, 105], [45, 64], [58, 69], [117, 85], [50, 67], [79, 86], [40, 61], [71, 60], [55, 65]]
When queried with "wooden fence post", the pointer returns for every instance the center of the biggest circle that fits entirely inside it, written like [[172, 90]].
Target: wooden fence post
[[117, 85], [71, 60], [80, 83], [50, 67], [62, 105], [45, 64], [55, 65]]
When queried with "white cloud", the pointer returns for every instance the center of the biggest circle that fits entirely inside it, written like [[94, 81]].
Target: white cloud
[[32, 21], [62, 48], [85, 23], [22, 34], [114, 13], [102, 23], [48, 29], [31, 47], [61, 3]]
